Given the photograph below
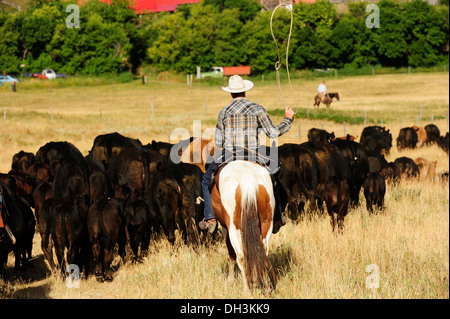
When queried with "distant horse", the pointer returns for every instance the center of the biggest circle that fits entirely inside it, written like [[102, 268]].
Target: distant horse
[[327, 99], [243, 203]]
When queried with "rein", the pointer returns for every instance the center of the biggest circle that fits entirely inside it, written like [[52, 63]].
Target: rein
[[283, 3]]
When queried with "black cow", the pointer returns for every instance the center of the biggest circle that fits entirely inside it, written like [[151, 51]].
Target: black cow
[[107, 146], [174, 191], [68, 227], [391, 172], [299, 176], [55, 154], [443, 142], [433, 133], [106, 228], [161, 147], [139, 226], [21, 183], [71, 180], [359, 164], [335, 193], [41, 194], [376, 161], [18, 215], [407, 138], [135, 167], [41, 172], [44, 220], [99, 185], [408, 167], [22, 161], [376, 138], [331, 163], [374, 191], [320, 136]]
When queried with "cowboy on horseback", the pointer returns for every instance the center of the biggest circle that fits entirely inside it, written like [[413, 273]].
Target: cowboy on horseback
[[237, 127], [322, 90]]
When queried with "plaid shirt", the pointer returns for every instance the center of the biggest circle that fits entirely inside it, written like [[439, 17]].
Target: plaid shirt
[[240, 122]]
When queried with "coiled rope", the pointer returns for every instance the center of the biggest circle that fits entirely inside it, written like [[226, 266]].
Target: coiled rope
[[278, 63]]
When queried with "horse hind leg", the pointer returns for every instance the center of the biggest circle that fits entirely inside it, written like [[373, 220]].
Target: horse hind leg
[[236, 245], [231, 260]]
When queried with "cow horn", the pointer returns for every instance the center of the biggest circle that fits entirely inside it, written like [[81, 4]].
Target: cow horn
[[10, 234]]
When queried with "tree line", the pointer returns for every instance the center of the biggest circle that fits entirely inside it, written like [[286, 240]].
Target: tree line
[[113, 38]]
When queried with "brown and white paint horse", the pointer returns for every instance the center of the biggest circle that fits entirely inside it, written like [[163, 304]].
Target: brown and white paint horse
[[243, 203]]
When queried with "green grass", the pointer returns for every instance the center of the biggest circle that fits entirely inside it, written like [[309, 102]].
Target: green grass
[[335, 116]]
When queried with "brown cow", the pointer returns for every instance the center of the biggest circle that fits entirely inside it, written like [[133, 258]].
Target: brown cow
[[198, 152], [106, 227], [336, 196], [421, 135], [427, 168], [374, 191]]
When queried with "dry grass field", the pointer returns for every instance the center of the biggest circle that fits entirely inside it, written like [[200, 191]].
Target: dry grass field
[[408, 241]]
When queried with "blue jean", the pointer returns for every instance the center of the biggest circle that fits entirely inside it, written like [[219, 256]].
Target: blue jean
[[208, 212]]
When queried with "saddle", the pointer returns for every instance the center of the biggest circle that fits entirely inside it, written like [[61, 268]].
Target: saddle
[[245, 155]]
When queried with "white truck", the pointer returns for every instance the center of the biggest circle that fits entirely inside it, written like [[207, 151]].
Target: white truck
[[46, 74]]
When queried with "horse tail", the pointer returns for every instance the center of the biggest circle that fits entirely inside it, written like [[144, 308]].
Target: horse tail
[[259, 271]]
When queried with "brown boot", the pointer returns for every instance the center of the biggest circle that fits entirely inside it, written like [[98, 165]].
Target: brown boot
[[209, 225]]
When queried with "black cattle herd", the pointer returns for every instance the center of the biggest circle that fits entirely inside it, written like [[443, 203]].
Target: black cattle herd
[[123, 192]]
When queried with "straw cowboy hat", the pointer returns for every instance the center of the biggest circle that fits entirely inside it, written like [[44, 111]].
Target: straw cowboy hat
[[237, 85]]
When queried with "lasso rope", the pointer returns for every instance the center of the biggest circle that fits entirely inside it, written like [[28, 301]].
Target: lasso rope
[[278, 63]]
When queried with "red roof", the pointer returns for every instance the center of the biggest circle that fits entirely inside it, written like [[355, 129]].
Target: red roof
[[240, 70], [158, 5]]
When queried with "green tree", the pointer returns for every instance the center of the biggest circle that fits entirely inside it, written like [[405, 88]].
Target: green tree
[[426, 34], [9, 43], [165, 50], [392, 36], [247, 9], [257, 42], [228, 48], [313, 30]]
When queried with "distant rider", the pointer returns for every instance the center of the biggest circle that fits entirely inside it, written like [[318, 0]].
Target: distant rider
[[322, 90]]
